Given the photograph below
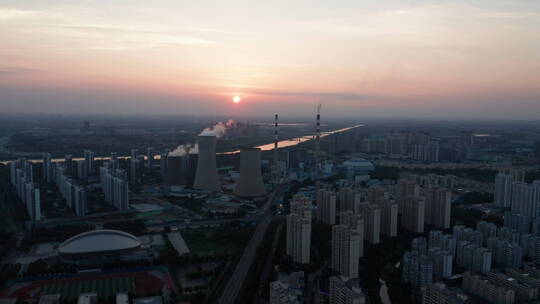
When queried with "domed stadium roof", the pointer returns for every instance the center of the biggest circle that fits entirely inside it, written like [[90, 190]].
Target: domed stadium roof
[[99, 241]]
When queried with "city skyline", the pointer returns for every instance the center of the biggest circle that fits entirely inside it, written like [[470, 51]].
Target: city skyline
[[415, 59]]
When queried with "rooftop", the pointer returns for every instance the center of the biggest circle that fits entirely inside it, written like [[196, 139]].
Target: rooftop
[[97, 241]]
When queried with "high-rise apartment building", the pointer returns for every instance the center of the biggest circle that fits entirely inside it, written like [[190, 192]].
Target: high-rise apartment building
[[413, 214], [48, 172], [503, 190], [419, 246], [417, 269], [442, 241], [150, 157], [526, 199], [90, 163], [345, 291], [115, 186], [22, 180], [437, 293], [481, 287], [372, 218], [345, 250], [389, 217], [406, 188], [349, 199], [442, 263], [376, 194], [482, 260], [517, 222], [299, 230], [355, 222], [326, 207], [487, 229], [438, 207]]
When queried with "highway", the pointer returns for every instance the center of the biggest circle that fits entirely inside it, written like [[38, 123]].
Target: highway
[[234, 285]]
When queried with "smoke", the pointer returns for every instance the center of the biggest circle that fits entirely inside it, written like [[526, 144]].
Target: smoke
[[185, 149], [218, 130]]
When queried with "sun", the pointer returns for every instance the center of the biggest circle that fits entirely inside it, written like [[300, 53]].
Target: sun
[[236, 99]]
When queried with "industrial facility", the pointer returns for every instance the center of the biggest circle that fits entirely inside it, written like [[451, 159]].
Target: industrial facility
[[206, 177], [250, 183], [176, 165]]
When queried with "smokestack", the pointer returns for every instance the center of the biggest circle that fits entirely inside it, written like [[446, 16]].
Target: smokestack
[[275, 165], [318, 136], [250, 183], [206, 177]]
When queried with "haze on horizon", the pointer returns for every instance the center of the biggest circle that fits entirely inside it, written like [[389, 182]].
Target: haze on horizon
[[456, 59]]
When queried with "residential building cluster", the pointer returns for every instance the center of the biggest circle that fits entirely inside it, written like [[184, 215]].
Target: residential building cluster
[[299, 230], [22, 179], [480, 252], [64, 175], [288, 289], [115, 184], [418, 205], [74, 194], [345, 291], [438, 293]]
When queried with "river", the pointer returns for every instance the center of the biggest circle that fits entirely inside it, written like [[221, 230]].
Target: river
[[266, 147]]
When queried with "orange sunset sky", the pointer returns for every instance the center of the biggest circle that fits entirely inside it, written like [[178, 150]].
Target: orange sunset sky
[[455, 59]]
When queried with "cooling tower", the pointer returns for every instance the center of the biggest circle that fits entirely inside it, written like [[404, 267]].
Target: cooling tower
[[206, 177], [191, 169], [175, 170], [250, 183]]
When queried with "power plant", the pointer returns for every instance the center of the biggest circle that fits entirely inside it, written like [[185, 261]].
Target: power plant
[[250, 183], [191, 169], [206, 177], [175, 170]]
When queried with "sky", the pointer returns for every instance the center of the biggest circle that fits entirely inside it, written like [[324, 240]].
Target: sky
[[393, 58]]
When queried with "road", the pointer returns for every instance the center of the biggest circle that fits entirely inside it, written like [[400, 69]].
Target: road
[[267, 272], [234, 285]]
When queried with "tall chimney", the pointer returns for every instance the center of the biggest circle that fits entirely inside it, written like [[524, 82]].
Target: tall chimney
[[250, 183], [206, 177], [318, 137], [275, 164]]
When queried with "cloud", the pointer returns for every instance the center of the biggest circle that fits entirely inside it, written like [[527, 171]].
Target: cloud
[[323, 95], [17, 71], [14, 14], [63, 31]]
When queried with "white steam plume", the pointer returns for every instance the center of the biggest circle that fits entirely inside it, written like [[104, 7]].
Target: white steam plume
[[185, 149], [218, 130]]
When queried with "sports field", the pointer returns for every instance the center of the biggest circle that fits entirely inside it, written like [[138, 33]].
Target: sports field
[[139, 283], [104, 287]]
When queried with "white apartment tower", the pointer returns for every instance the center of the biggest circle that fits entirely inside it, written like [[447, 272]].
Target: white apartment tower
[[326, 207], [345, 250], [413, 214], [389, 217], [355, 222], [299, 230], [438, 203]]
